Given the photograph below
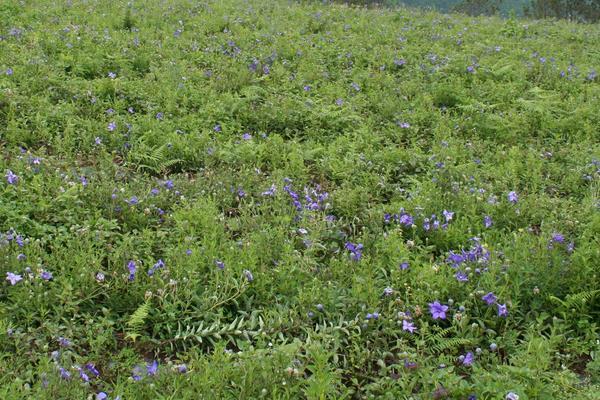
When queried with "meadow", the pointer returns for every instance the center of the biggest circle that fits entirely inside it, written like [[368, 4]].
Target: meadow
[[273, 199]]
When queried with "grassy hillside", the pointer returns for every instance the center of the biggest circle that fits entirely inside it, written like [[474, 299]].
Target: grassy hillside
[[265, 199]]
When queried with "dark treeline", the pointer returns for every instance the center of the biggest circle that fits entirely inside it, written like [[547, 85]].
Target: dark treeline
[[574, 10]]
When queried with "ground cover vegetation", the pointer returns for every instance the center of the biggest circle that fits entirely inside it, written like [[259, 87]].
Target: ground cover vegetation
[[267, 199]]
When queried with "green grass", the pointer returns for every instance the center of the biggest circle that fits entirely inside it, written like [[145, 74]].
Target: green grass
[[368, 113]]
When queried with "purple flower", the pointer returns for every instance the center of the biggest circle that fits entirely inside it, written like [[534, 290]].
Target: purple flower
[[591, 76], [461, 276], [159, 264], [388, 291], [9, 71], [339, 102], [404, 125], [406, 219], [182, 368], [374, 315], [513, 197], [489, 298], [355, 250], [471, 69], [92, 368], [437, 310], [132, 201], [112, 75], [248, 275], [99, 277], [408, 326], [355, 86], [271, 191], [512, 396], [21, 257], [307, 88], [558, 237], [448, 215], [404, 266], [98, 141], [468, 359], [101, 396], [111, 126], [217, 128], [188, 252], [399, 62], [64, 374], [502, 310], [83, 375], [137, 373], [487, 221], [13, 278], [63, 342], [132, 269], [220, 264], [11, 178], [160, 116], [152, 368], [246, 136], [46, 275]]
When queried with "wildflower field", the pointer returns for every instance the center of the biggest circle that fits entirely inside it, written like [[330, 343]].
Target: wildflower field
[[269, 199]]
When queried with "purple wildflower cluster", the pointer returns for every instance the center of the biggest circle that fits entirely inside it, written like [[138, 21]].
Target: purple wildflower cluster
[[491, 299], [430, 223], [315, 199], [462, 260]]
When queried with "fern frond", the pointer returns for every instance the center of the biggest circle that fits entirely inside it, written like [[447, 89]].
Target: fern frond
[[137, 320]]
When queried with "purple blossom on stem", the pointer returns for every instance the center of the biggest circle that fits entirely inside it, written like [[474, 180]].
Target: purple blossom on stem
[[487, 221], [46, 275], [461, 276], [558, 237], [502, 310], [136, 374], [448, 215], [64, 374], [132, 269], [111, 126], [92, 368], [132, 201], [489, 298], [513, 197], [467, 359], [11, 177], [248, 275], [13, 278], [437, 310], [355, 250], [408, 326], [271, 191], [152, 368]]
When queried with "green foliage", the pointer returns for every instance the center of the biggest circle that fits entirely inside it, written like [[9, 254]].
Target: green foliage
[[240, 153]]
